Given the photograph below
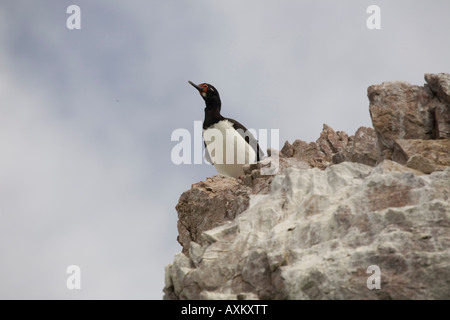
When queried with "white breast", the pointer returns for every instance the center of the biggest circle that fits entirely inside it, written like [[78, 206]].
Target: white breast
[[228, 149]]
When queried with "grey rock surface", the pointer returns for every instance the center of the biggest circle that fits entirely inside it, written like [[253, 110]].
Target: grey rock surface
[[317, 232]]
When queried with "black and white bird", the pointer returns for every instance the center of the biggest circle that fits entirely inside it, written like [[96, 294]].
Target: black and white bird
[[229, 145]]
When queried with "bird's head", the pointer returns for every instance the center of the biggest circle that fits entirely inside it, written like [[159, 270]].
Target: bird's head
[[208, 93]]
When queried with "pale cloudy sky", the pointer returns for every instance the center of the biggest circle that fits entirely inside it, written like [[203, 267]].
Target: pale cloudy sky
[[86, 116]]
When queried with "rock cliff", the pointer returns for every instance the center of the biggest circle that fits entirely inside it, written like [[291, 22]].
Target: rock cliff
[[336, 209]]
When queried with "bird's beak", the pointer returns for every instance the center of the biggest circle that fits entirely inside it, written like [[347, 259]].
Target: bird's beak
[[200, 89]]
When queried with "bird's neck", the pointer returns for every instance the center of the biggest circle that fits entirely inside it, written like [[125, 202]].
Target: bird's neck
[[213, 102], [212, 112], [212, 116]]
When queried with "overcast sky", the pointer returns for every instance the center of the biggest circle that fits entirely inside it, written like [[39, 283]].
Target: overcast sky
[[86, 116]]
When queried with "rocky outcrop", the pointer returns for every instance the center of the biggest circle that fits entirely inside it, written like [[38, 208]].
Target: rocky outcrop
[[334, 147], [424, 155], [209, 204], [439, 84], [361, 149], [336, 209], [401, 111], [317, 232]]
